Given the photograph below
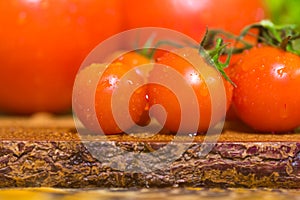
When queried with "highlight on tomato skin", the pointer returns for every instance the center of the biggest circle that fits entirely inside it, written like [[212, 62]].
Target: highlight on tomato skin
[[267, 80]]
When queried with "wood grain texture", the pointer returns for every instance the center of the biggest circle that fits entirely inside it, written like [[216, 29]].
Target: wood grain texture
[[46, 151]]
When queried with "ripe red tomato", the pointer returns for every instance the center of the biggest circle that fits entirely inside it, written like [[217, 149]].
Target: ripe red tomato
[[267, 80], [43, 43], [193, 16], [199, 82], [109, 83], [104, 81]]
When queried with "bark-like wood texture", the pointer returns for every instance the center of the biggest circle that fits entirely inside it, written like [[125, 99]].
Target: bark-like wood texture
[[47, 151]]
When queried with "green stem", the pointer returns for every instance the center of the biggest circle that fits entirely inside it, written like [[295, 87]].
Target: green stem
[[213, 56], [281, 36]]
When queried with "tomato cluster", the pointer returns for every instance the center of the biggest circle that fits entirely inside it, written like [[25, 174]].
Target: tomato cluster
[[43, 42], [171, 75]]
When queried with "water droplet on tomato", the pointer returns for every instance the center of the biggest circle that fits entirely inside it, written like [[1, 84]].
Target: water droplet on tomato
[[192, 134], [130, 82], [194, 78], [279, 71]]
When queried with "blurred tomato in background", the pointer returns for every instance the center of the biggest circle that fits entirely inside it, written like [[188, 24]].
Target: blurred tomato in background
[[193, 16], [43, 42]]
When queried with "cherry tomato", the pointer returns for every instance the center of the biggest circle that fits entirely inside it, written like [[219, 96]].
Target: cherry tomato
[[193, 16], [95, 85], [164, 96], [267, 80], [43, 43]]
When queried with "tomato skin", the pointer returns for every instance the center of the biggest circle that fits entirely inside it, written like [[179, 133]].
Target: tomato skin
[[42, 46], [159, 94], [267, 80], [131, 58], [193, 16]]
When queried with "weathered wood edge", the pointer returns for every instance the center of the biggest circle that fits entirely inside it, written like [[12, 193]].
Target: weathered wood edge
[[69, 164]]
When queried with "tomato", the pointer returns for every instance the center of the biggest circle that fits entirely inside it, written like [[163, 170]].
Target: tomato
[[200, 82], [267, 80], [109, 84], [95, 86], [191, 17], [43, 43]]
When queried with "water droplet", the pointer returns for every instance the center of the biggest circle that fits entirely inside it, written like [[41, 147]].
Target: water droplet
[[194, 78], [279, 71], [192, 134], [130, 82]]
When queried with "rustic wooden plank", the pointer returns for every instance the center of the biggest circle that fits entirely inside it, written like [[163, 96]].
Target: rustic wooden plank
[[46, 151]]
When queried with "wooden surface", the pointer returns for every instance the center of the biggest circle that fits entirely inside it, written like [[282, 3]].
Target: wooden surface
[[46, 151], [48, 127]]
